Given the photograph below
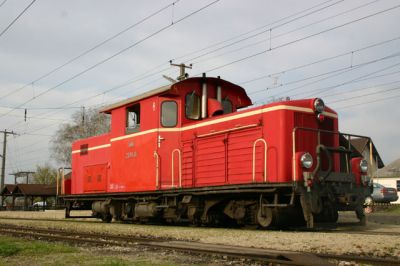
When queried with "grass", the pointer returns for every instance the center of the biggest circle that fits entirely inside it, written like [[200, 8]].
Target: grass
[[389, 209], [12, 246], [15, 251], [8, 249], [393, 209]]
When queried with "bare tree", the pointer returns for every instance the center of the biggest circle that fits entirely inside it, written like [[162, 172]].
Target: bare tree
[[45, 175], [84, 124]]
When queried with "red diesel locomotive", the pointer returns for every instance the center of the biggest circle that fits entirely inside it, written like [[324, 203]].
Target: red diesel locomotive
[[184, 153]]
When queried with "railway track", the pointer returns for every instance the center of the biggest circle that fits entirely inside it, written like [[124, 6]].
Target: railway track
[[275, 257], [324, 228], [338, 228]]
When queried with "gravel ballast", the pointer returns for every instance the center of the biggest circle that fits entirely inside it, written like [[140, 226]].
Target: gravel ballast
[[334, 243]]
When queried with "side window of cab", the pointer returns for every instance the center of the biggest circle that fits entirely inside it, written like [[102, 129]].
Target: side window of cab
[[133, 119], [227, 106], [192, 106], [169, 114]]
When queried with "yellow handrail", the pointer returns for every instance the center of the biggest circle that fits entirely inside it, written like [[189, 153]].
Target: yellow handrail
[[265, 158], [180, 168], [157, 168]]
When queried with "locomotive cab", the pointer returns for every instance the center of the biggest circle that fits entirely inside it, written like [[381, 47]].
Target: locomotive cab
[[185, 152]]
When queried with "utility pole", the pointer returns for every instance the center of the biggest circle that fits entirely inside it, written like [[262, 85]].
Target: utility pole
[[182, 74], [3, 157]]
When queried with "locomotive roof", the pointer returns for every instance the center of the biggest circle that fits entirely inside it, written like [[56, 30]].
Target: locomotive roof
[[168, 88], [136, 98]]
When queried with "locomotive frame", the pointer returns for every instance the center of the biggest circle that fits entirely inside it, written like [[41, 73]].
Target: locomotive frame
[[189, 156]]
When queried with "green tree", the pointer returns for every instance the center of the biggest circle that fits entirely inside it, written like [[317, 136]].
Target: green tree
[[45, 175], [85, 123]]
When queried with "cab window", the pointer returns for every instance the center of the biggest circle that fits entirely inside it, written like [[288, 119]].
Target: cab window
[[169, 114], [133, 119], [192, 105], [227, 106]]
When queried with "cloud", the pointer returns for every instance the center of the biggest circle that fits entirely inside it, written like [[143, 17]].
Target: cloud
[[51, 33]]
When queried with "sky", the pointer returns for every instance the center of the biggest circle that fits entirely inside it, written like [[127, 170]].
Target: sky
[[59, 56]]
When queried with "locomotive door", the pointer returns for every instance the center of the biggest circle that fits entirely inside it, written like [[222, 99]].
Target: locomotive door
[[168, 151]]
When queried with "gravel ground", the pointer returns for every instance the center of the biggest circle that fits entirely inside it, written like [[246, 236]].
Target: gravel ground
[[335, 243], [48, 214]]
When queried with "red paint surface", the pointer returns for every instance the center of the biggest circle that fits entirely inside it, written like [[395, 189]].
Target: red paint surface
[[355, 167], [213, 151]]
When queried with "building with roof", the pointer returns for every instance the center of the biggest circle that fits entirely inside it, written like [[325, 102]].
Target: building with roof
[[389, 176], [27, 192], [366, 148]]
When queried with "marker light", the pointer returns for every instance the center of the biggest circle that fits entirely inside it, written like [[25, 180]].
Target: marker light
[[306, 160], [320, 117], [364, 166], [319, 105]]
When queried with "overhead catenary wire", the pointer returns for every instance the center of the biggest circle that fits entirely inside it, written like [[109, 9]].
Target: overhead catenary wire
[[383, 75], [358, 96], [279, 35], [15, 19], [132, 26], [39, 117], [262, 41], [64, 107], [313, 92], [299, 39], [91, 49], [369, 102], [174, 2], [42, 108], [280, 20], [2, 3], [361, 89], [266, 30], [364, 95], [321, 60], [250, 31], [353, 67], [29, 161], [341, 92], [114, 55], [291, 42], [335, 74], [373, 61]]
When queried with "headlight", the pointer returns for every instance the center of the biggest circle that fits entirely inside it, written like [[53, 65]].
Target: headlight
[[319, 105], [306, 160], [364, 166]]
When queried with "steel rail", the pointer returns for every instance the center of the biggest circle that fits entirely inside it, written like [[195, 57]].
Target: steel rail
[[288, 230], [321, 228], [258, 254], [270, 256]]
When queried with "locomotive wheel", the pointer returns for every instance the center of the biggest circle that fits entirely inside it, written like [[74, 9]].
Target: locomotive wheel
[[106, 218], [360, 215], [316, 204], [329, 214], [332, 215], [264, 218]]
